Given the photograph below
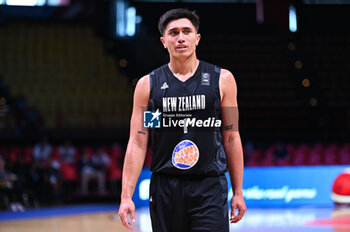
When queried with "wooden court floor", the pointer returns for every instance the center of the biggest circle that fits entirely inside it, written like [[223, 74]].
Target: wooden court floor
[[96, 222], [255, 220]]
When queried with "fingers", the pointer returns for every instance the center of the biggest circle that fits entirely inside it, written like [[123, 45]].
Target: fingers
[[240, 214], [123, 214], [124, 220], [233, 214], [132, 216], [237, 217]]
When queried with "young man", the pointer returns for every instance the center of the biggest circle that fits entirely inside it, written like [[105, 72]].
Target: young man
[[188, 190]]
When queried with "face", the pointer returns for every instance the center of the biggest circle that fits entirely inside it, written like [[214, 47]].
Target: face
[[180, 38]]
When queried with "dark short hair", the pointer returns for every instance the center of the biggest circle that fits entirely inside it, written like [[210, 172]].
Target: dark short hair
[[175, 14]]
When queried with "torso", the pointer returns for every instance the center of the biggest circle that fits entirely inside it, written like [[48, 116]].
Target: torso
[[192, 150]]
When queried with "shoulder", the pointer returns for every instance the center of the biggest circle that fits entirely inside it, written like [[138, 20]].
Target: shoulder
[[227, 85], [143, 81], [227, 80], [226, 76], [143, 87]]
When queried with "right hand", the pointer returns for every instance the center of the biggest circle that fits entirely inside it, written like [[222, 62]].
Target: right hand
[[127, 207]]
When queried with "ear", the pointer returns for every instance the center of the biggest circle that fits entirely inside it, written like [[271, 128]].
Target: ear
[[163, 41], [198, 37]]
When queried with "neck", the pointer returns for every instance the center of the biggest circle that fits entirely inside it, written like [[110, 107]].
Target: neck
[[185, 67]]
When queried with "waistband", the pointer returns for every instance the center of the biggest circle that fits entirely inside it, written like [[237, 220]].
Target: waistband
[[187, 177]]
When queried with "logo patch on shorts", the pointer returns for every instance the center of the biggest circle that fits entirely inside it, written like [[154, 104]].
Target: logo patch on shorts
[[185, 155]]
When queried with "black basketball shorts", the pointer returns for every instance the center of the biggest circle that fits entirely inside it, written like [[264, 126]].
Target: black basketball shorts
[[188, 203]]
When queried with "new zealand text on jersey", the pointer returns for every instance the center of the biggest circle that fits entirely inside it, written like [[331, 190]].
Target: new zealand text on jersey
[[184, 103]]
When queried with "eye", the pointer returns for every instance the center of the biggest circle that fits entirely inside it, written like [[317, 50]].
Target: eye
[[173, 33], [187, 31]]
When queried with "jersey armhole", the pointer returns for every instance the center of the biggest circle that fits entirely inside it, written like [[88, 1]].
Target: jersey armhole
[[150, 101], [217, 84]]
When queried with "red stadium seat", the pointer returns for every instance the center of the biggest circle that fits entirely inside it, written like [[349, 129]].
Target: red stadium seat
[[331, 155], [14, 154], [69, 172], [55, 153], [104, 149], [300, 155], [28, 154], [115, 172], [89, 150], [116, 153], [291, 148], [268, 160], [344, 155], [283, 162], [254, 159], [316, 155]]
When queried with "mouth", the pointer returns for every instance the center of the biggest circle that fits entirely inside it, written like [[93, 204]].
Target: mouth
[[181, 47]]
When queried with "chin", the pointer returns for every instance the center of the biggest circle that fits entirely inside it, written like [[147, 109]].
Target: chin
[[183, 53]]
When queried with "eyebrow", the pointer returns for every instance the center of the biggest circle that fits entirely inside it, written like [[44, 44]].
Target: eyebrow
[[176, 28]]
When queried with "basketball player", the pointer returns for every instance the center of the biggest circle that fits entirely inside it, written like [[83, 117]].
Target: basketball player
[[188, 190]]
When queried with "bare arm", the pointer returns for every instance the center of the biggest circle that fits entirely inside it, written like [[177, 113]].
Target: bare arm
[[232, 142], [135, 152]]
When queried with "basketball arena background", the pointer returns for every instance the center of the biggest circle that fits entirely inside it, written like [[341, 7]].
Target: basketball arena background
[[68, 69]]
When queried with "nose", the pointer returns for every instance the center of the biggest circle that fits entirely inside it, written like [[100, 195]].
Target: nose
[[181, 38]]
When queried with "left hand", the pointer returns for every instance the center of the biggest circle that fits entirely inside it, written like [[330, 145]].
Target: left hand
[[237, 202]]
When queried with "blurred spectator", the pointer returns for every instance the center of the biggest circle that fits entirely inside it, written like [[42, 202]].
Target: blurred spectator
[[45, 172], [41, 153], [9, 189], [85, 170], [21, 167], [68, 169], [94, 167], [116, 167], [248, 150], [280, 151], [280, 154], [67, 153]]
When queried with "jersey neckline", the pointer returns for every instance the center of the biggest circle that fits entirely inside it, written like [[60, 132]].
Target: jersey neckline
[[189, 79]]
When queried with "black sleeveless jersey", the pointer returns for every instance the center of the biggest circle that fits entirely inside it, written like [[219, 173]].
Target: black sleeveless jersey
[[189, 140]]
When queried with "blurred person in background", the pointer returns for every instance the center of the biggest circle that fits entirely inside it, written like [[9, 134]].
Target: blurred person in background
[[66, 152], [86, 170], [10, 192], [101, 162], [67, 155], [280, 154], [42, 152], [94, 168], [45, 172]]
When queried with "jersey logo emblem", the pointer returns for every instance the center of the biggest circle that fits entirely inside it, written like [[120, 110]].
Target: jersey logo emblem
[[205, 79], [164, 86], [185, 155]]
